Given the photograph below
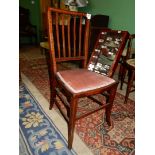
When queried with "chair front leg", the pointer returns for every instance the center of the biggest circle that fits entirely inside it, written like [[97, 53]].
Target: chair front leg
[[110, 103], [72, 119], [53, 94]]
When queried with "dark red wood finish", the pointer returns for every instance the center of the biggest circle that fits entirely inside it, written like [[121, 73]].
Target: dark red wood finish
[[124, 68], [68, 40]]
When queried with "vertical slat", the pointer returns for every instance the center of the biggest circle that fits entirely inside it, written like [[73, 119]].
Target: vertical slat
[[57, 34], [87, 22], [63, 36], [69, 44], [80, 33], [74, 35]]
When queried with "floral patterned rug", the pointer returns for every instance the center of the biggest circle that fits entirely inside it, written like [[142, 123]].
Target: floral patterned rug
[[119, 139], [38, 134]]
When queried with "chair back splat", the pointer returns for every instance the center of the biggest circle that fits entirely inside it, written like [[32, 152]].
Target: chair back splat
[[68, 41], [69, 33]]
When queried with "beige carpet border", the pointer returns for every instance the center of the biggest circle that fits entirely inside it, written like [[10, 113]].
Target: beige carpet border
[[78, 145]]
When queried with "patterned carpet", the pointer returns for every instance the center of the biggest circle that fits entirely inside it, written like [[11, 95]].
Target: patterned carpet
[[38, 134], [119, 139]]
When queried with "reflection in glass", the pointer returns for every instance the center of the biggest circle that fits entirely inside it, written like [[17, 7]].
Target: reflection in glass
[[105, 52]]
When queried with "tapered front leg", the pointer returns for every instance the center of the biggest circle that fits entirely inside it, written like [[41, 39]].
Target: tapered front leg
[[110, 102], [53, 94], [72, 119]]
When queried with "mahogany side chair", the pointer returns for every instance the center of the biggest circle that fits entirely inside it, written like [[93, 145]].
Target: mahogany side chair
[[68, 41], [127, 54], [127, 67]]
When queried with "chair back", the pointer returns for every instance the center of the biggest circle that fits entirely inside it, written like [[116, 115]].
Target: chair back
[[68, 36], [130, 49], [107, 51]]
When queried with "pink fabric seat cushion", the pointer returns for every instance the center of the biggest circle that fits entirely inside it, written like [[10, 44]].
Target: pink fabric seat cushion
[[82, 80]]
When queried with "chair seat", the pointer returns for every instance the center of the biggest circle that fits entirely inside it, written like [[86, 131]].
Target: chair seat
[[81, 80], [44, 45], [131, 62]]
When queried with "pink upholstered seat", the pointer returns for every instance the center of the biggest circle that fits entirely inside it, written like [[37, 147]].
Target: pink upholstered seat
[[82, 80]]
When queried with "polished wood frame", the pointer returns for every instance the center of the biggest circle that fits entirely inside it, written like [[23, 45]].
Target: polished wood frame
[[58, 53]]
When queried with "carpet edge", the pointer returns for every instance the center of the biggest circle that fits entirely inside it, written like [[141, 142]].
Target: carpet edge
[[78, 145]]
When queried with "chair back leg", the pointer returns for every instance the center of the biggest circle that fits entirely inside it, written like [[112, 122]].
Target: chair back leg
[[129, 85], [123, 74]]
